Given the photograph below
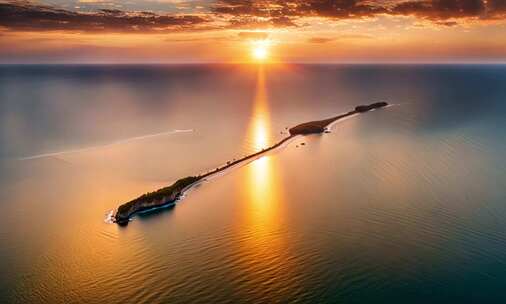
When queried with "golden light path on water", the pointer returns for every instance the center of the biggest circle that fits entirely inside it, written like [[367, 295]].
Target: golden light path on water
[[262, 181], [265, 262]]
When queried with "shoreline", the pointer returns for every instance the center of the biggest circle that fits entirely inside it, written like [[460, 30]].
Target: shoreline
[[168, 196]]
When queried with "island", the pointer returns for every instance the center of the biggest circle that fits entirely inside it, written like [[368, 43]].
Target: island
[[168, 196], [162, 197], [318, 126], [372, 106]]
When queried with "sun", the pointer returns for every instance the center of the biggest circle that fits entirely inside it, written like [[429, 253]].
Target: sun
[[260, 50]]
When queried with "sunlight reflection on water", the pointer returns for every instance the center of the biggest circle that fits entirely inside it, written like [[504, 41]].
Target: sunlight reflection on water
[[402, 205]]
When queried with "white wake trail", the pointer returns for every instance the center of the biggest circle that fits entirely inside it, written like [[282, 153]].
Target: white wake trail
[[118, 142]]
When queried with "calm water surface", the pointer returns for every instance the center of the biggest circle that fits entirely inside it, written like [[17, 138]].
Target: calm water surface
[[401, 205]]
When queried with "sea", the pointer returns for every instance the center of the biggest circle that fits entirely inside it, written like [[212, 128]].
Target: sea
[[405, 204]]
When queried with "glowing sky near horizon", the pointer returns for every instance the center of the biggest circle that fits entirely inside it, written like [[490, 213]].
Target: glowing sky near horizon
[[179, 31]]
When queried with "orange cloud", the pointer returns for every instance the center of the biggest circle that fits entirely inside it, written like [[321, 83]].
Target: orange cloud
[[27, 16]]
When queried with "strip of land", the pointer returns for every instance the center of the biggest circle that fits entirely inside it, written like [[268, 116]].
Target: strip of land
[[169, 195]]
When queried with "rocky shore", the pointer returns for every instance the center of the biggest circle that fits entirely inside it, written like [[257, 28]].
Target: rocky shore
[[159, 198]]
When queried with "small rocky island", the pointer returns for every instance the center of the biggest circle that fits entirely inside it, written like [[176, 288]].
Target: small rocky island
[[169, 195], [159, 198], [318, 126]]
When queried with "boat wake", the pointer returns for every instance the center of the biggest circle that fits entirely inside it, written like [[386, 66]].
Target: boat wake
[[118, 142]]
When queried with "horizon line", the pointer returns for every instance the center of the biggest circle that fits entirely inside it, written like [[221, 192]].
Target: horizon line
[[500, 62]]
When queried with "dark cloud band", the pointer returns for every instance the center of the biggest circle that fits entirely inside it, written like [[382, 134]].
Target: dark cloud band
[[26, 16], [30, 17], [351, 9]]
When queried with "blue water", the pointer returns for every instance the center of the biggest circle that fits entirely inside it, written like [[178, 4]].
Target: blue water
[[399, 205]]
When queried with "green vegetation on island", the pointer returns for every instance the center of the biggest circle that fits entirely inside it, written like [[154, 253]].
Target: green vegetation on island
[[154, 199]]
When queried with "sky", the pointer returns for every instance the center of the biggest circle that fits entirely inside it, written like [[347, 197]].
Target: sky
[[231, 31]]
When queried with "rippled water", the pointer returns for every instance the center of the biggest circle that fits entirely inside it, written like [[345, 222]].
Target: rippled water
[[404, 204]]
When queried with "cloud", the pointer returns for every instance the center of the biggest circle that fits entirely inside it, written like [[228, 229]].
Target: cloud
[[291, 10], [242, 14], [254, 22], [496, 9], [298, 8], [440, 9], [319, 40], [238, 37], [447, 23], [253, 35], [24, 16]]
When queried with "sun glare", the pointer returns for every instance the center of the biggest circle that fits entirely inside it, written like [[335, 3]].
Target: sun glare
[[260, 51]]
